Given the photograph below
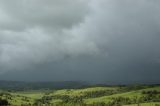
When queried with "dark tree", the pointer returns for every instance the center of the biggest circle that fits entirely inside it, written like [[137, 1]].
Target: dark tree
[[3, 102]]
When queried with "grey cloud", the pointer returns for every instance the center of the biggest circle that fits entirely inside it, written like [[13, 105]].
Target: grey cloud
[[37, 31], [21, 14], [105, 40]]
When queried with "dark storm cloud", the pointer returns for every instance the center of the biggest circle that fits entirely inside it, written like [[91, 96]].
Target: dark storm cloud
[[104, 40], [35, 31]]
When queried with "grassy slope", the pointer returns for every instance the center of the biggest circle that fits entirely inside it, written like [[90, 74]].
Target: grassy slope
[[130, 94], [17, 97], [108, 98], [81, 92], [145, 104], [30, 94]]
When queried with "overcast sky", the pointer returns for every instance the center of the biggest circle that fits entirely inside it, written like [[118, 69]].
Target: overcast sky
[[87, 40]]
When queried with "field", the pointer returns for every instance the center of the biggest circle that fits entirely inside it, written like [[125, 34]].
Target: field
[[89, 96]]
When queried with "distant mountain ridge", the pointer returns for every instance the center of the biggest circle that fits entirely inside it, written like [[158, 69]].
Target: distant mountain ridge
[[22, 85]]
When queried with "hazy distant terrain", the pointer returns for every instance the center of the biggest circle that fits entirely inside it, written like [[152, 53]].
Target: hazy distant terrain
[[131, 95], [21, 85]]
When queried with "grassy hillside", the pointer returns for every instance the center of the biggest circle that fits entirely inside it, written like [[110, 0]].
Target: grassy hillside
[[92, 96], [135, 94]]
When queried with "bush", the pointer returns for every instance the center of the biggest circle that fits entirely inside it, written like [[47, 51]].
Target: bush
[[3, 102]]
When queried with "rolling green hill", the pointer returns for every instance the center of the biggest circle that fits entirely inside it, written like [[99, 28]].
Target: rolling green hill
[[91, 96]]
